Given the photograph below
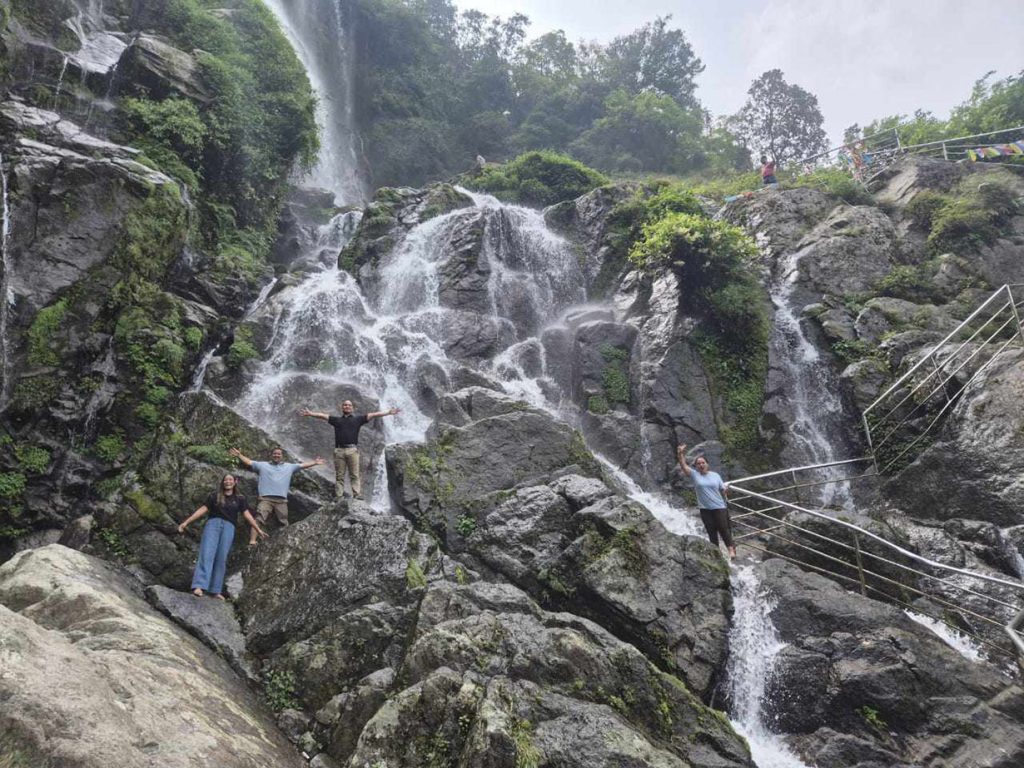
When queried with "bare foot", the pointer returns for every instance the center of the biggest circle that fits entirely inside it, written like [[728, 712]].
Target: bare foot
[[252, 543], [218, 597], [197, 592], [732, 552]]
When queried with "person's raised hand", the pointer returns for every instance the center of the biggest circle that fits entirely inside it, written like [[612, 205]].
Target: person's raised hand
[[319, 460], [394, 411], [681, 449], [235, 452], [305, 412]]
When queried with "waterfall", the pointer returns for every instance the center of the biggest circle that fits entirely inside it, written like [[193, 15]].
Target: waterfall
[[753, 646], [331, 338], [321, 35], [6, 292], [60, 82], [958, 641], [98, 50], [812, 389]]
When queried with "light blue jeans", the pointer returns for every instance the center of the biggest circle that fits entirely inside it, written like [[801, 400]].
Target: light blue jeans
[[213, 555]]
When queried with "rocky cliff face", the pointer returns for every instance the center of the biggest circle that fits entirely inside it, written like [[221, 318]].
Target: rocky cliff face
[[505, 599]]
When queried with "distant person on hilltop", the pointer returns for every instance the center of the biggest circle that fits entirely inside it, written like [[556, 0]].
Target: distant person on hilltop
[[711, 496], [346, 443], [768, 171], [275, 482]]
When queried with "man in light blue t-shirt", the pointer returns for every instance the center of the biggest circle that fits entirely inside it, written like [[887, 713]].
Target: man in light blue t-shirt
[[275, 481], [711, 495]]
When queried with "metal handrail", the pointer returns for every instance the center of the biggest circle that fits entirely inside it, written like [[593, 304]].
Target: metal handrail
[[940, 373], [1013, 628]]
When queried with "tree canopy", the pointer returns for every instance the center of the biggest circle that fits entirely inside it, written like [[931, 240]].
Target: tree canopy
[[438, 86], [781, 120]]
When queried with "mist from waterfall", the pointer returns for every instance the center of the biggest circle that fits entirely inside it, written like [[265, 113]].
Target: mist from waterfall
[[753, 646]]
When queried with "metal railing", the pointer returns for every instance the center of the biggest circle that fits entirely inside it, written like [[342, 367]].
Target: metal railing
[[903, 420], [869, 562]]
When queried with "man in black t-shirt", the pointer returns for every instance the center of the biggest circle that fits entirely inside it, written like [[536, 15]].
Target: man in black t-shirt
[[346, 443]]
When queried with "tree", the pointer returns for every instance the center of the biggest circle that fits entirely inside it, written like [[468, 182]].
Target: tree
[[648, 131], [781, 120], [653, 57]]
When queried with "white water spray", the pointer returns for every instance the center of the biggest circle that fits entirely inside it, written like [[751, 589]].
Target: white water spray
[[6, 292], [753, 646], [958, 641], [812, 389], [320, 34]]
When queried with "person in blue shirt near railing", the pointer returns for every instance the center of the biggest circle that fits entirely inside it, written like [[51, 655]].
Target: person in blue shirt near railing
[[712, 493]]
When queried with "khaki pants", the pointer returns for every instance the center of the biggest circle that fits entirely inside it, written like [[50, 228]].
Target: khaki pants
[[347, 459], [267, 507]]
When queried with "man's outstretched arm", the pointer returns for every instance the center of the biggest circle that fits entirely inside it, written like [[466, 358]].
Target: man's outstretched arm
[[318, 461], [241, 457], [314, 414], [388, 412]]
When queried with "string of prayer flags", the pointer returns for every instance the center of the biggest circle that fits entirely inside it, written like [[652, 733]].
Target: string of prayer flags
[[996, 150]]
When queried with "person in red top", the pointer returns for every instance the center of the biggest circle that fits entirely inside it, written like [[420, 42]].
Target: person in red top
[[767, 171]]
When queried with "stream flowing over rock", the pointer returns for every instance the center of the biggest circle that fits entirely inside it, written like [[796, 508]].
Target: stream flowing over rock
[[525, 582]]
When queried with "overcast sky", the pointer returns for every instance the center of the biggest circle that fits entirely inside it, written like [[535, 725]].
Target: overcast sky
[[862, 58]]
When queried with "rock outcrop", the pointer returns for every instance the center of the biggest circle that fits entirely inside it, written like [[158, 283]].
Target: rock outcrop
[[94, 677]]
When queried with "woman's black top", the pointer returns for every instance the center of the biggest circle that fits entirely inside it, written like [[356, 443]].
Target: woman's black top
[[233, 506]]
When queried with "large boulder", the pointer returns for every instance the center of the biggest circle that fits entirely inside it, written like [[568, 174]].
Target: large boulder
[[494, 680], [94, 677], [575, 544], [156, 68], [974, 467], [897, 693]]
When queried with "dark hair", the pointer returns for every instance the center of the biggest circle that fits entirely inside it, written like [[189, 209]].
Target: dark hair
[[764, 158], [220, 488], [277, 448]]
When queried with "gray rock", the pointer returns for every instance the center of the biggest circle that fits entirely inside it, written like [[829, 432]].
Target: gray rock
[[973, 469], [78, 532], [321, 568], [502, 686], [155, 67], [94, 677], [913, 174], [848, 653], [209, 620], [865, 380]]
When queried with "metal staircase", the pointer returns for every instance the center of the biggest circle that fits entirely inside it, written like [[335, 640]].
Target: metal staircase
[[776, 512]]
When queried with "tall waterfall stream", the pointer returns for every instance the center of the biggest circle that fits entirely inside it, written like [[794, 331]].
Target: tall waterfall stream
[[329, 331]]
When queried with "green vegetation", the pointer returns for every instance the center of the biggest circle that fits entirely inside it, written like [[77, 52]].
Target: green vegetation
[[33, 459], [598, 404], [242, 348], [872, 718], [538, 179], [112, 541], [43, 344], [12, 485], [437, 87], [972, 218], [625, 541], [527, 755], [110, 448], [614, 380], [466, 525], [279, 689], [414, 576]]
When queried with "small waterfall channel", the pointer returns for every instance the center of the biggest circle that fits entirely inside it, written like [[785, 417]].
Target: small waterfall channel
[[753, 646], [812, 389], [6, 294]]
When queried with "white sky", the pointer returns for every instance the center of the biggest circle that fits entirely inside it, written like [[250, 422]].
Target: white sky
[[862, 58]]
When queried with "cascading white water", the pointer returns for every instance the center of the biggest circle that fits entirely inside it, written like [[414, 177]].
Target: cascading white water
[[753, 646], [812, 389], [958, 641], [321, 36], [6, 294], [98, 50]]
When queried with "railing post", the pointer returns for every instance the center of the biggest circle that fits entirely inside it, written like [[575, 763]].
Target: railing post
[[796, 488], [860, 566], [945, 153], [938, 370], [1016, 316]]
